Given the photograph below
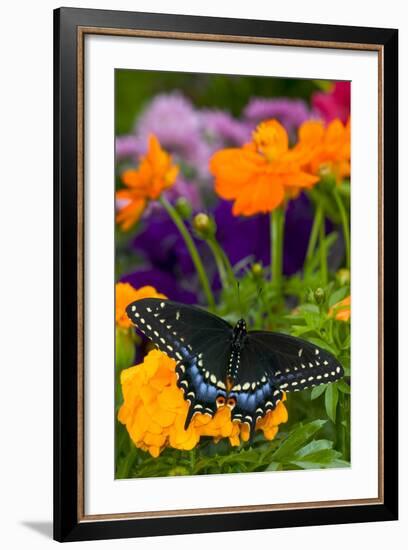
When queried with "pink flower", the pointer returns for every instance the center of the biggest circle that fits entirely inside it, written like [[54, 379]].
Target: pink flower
[[333, 104]]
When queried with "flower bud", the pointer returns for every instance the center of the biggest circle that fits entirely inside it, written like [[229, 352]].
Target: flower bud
[[309, 296], [343, 276], [319, 295], [257, 269], [204, 226], [184, 208], [327, 177]]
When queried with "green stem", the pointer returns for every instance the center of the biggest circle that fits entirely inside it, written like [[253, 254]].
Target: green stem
[[223, 264], [219, 262], [343, 427], [192, 250], [126, 464], [323, 253], [345, 224], [277, 224], [227, 263], [314, 234]]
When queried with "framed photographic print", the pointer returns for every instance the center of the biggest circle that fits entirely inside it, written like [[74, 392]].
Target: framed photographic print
[[223, 187]]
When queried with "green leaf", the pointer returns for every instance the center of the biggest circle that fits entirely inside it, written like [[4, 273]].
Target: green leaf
[[343, 386], [314, 446], [324, 458], [330, 399], [296, 439], [298, 330], [339, 463], [317, 391], [338, 295], [273, 467], [124, 349], [312, 319], [311, 308]]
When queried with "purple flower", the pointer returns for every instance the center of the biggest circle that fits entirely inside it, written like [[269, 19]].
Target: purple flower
[[166, 259], [161, 245], [242, 237], [176, 124], [127, 146], [248, 237], [291, 113], [190, 135], [221, 129], [173, 119]]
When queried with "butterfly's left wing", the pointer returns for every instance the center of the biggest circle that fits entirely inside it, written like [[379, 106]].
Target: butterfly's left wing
[[198, 340]]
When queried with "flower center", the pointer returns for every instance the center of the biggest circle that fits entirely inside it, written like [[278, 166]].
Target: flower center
[[271, 140]]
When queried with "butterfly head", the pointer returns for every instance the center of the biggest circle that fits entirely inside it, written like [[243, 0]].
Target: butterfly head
[[239, 333]]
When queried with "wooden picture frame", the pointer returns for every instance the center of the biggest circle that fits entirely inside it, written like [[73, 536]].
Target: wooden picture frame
[[70, 28]]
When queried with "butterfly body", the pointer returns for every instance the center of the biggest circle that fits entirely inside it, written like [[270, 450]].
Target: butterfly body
[[220, 365]]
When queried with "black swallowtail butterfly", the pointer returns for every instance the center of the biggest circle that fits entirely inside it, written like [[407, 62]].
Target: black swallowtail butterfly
[[218, 364]]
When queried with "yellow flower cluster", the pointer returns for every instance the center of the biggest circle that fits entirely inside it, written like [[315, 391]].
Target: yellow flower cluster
[[154, 411], [126, 294]]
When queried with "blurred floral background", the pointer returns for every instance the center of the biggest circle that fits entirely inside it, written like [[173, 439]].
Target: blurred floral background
[[219, 180]]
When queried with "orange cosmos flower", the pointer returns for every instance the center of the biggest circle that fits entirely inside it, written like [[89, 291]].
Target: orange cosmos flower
[[261, 174], [154, 411], [125, 294], [342, 310], [327, 149], [156, 172]]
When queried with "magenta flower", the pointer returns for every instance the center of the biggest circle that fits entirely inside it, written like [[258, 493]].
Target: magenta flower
[[334, 104]]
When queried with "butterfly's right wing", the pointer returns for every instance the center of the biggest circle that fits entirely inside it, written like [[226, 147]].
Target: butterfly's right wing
[[199, 341], [272, 363], [293, 363]]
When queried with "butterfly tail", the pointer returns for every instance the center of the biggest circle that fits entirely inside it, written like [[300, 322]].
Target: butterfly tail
[[190, 414]]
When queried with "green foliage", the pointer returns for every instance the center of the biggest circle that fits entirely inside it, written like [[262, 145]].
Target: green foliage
[[294, 450]]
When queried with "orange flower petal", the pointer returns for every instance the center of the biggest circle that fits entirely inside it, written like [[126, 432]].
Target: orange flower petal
[[264, 195], [130, 214], [342, 310], [155, 173], [311, 132], [154, 413], [260, 175], [234, 169]]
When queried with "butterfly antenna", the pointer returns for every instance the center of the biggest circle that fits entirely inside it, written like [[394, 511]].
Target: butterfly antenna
[[239, 300], [257, 297]]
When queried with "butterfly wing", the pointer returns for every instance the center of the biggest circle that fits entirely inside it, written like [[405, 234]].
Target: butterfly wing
[[198, 340], [295, 364], [272, 363], [254, 389]]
